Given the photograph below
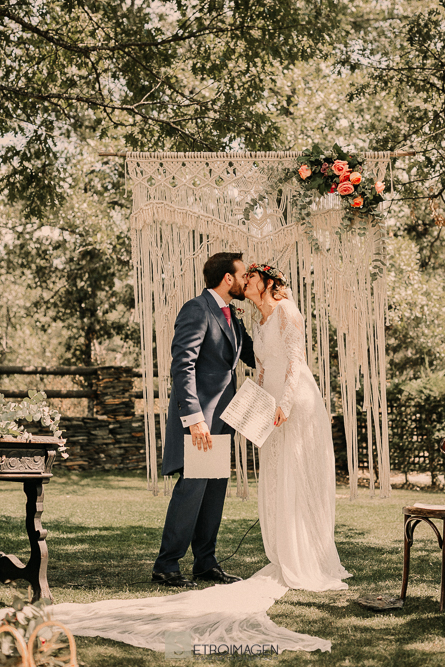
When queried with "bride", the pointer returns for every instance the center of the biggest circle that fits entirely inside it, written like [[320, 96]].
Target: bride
[[296, 493], [296, 508]]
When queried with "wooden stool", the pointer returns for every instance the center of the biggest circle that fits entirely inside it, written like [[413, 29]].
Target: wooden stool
[[413, 516]]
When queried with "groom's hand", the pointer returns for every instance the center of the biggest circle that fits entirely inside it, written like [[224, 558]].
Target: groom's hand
[[201, 435]]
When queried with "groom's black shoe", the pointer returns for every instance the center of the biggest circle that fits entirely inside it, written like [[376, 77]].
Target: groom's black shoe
[[174, 579], [218, 575]]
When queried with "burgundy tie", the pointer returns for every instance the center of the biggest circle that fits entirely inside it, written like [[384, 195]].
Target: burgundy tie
[[226, 311]]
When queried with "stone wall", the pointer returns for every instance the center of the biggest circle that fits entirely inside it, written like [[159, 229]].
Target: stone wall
[[99, 443]]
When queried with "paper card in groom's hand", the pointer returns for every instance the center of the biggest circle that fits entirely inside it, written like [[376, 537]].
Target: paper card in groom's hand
[[212, 464], [251, 412]]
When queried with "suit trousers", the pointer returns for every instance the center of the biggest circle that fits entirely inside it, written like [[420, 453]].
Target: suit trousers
[[193, 517]]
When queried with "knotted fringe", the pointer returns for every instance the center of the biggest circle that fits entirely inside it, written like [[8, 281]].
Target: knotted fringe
[[187, 207]]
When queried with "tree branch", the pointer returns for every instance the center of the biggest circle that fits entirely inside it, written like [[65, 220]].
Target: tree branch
[[172, 39], [54, 97]]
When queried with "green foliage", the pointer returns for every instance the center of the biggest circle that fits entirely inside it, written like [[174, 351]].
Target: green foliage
[[74, 263], [429, 387], [416, 331], [402, 59], [33, 408], [417, 424], [416, 222], [25, 617], [160, 75]]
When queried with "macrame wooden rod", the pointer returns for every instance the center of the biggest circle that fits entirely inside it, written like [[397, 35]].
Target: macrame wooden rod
[[237, 154]]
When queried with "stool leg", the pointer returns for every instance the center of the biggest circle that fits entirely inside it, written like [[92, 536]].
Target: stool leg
[[406, 556], [442, 580]]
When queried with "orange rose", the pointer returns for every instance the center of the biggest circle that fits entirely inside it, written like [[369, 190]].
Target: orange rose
[[355, 178], [304, 171], [357, 202], [345, 189], [379, 187], [339, 167], [344, 176]]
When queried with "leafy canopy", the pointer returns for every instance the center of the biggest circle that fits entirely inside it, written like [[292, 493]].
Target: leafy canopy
[[403, 60], [163, 74]]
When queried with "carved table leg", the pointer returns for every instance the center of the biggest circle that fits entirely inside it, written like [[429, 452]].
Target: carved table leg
[[35, 572], [36, 569]]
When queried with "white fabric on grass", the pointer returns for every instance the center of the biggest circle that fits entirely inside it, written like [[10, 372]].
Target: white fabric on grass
[[234, 614]]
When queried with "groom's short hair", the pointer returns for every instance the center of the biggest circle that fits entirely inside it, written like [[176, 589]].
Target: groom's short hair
[[218, 265]]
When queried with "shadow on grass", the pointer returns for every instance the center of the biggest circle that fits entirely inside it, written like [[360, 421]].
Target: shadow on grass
[[92, 562], [113, 558]]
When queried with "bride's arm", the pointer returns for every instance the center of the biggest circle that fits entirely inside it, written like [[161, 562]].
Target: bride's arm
[[291, 325]]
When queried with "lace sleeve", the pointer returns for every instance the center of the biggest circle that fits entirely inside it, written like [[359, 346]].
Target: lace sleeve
[[259, 372], [291, 326]]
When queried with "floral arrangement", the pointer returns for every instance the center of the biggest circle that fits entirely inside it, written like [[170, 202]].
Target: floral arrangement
[[32, 408], [23, 616], [335, 171], [43, 641], [268, 270], [342, 174], [239, 312]]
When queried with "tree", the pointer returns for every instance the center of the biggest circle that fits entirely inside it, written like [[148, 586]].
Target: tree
[[214, 75], [401, 64], [163, 74], [76, 267], [403, 60], [416, 331]]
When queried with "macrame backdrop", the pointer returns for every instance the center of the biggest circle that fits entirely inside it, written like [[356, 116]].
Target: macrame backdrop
[[188, 206]]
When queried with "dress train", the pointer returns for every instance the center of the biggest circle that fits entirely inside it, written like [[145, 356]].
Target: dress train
[[232, 616]]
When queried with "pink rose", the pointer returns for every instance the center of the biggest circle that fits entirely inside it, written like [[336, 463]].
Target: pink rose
[[379, 187], [304, 171], [355, 178], [339, 167], [345, 188], [357, 202], [345, 176]]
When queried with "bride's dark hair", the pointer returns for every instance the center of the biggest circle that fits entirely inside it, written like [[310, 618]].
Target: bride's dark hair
[[278, 288]]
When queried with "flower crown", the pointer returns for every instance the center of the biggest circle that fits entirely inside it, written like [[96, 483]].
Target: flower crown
[[270, 271]]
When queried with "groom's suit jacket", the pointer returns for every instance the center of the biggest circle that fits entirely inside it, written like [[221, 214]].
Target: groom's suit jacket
[[205, 353]]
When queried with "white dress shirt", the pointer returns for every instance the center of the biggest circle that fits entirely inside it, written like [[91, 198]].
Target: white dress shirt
[[198, 416]]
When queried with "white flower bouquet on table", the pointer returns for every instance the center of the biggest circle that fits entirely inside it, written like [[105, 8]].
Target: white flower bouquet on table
[[32, 408]]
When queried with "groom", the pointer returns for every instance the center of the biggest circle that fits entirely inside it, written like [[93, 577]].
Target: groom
[[208, 342]]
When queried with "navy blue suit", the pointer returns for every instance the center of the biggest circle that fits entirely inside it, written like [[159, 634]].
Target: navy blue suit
[[205, 353]]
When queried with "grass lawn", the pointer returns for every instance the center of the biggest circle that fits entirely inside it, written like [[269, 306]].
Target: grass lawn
[[105, 531]]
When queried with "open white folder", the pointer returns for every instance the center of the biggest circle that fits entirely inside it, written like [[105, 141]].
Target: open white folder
[[212, 464]]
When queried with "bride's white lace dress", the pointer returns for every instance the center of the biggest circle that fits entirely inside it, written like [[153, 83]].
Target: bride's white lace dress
[[296, 508], [296, 494]]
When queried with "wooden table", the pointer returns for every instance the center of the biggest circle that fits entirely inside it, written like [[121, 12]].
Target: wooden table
[[29, 462]]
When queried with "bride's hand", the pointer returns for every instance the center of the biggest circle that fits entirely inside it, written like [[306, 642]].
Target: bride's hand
[[279, 418]]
